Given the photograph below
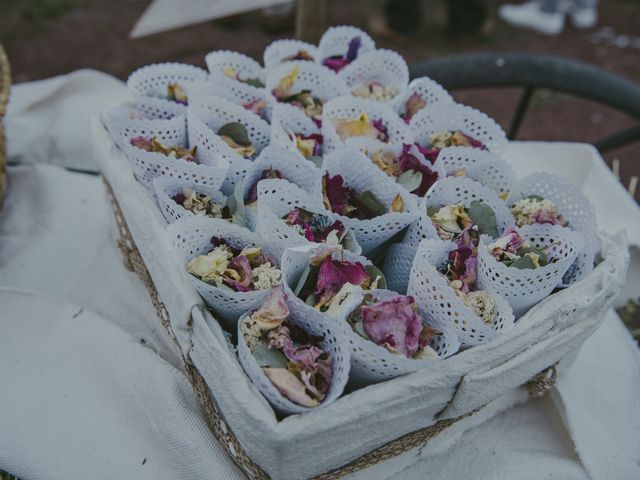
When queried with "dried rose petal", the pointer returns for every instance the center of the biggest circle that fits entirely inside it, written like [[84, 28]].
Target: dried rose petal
[[290, 386], [333, 274], [273, 311], [412, 159], [394, 323], [240, 269]]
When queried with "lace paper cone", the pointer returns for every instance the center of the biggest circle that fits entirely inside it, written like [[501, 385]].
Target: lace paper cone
[[359, 174], [319, 80], [450, 191], [350, 108], [372, 363], [190, 237], [335, 41], [447, 117], [214, 113], [124, 124], [427, 90], [398, 260], [291, 166], [573, 206], [523, 288], [434, 294], [153, 80], [315, 324], [385, 67], [370, 146], [295, 262], [287, 121], [243, 66], [200, 92], [277, 52], [167, 187], [276, 198], [148, 165]]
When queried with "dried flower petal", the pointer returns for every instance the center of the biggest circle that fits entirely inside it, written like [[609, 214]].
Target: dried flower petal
[[290, 386]]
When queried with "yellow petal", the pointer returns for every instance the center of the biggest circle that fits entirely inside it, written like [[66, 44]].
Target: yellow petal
[[397, 205]]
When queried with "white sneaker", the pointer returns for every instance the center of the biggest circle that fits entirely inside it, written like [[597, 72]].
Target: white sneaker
[[530, 15], [584, 18]]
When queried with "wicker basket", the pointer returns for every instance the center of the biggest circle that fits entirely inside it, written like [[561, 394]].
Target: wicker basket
[[5, 82]]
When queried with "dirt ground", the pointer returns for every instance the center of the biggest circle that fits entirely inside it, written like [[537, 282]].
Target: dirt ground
[[50, 37]]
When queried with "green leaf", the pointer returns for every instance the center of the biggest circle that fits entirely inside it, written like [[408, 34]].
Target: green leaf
[[523, 263], [375, 272], [410, 180], [483, 216], [236, 132], [535, 197], [359, 329], [254, 82], [542, 256], [371, 203], [431, 211], [269, 357]]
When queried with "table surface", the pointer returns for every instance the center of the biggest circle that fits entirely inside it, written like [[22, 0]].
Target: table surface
[[76, 408]]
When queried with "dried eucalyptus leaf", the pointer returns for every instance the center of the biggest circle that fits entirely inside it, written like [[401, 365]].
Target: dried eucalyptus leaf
[[236, 132], [523, 263], [269, 357], [254, 82], [483, 216], [359, 329], [371, 203], [410, 180], [431, 211], [374, 272], [316, 160]]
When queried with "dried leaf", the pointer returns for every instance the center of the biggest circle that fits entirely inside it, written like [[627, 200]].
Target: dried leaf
[[410, 180], [374, 272], [397, 205], [269, 357], [483, 216], [236, 132], [371, 203]]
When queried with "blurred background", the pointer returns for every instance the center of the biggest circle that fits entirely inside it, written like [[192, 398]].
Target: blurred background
[[44, 38]]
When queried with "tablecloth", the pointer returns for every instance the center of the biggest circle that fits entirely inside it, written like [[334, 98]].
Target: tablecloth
[[72, 406]]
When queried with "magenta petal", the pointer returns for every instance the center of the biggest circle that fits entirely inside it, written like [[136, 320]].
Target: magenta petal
[[394, 322], [412, 158], [430, 154], [337, 193], [333, 274], [241, 265]]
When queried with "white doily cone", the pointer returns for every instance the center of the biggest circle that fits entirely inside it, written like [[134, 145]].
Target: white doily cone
[[573, 206], [429, 90], [287, 121], [199, 92], [322, 82], [167, 187], [371, 363], [215, 113], [350, 108], [434, 294], [276, 198], [295, 261], [384, 66], [359, 174], [445, 117], [481, 166], [123, 126], [333, 343], [152, 80], [523, 288], [190, 237], [156, 108], [450, 191], [293, 168], [398, 260], [369, 146], [335, 41], [244, 66], [277, 51], [148, 165]]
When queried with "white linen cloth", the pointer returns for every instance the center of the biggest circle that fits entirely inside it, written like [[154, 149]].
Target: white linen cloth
[[77, 409]]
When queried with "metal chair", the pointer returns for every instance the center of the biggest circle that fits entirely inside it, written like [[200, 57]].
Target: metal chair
[[531, 72]]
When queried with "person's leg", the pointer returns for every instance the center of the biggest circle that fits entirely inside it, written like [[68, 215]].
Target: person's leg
[[403, 16], [544, 16], [467, 16], [584, 13]]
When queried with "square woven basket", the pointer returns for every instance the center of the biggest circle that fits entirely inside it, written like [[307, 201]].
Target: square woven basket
[[264, 446]]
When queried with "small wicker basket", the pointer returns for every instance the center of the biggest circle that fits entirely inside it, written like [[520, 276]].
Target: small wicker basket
[[5, 82]]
